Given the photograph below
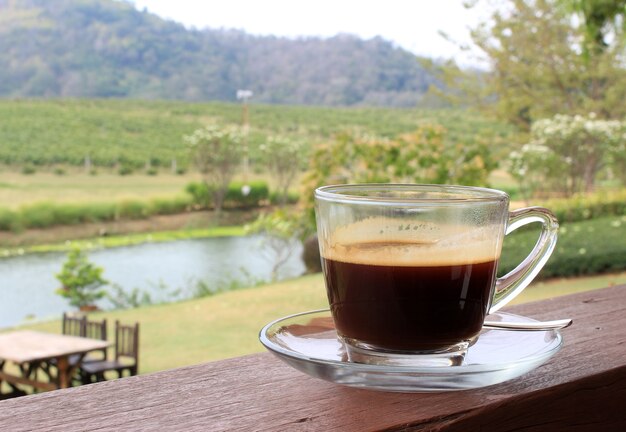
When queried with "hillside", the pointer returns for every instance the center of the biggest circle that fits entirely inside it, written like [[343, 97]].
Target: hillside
[[107, 48]]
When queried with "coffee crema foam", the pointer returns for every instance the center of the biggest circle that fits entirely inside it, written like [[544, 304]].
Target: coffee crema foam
[[392, 242]]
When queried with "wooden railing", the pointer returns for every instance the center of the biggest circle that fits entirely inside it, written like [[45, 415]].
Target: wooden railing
[[582, 388]]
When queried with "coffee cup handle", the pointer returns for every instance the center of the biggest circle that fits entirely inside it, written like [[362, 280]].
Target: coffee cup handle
[[514, 282]]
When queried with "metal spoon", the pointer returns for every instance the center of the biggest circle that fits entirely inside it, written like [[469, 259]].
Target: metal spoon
[[528, 326]]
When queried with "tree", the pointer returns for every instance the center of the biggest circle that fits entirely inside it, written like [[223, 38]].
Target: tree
[[217, 153], [284, 157], [566, 153], [422, 156], [549, 57], [80, 280]]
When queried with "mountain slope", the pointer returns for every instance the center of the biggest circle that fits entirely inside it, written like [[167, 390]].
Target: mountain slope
[[106, 48]]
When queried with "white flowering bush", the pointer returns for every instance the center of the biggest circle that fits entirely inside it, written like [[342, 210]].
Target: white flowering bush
[[566, 153], [217, 152]]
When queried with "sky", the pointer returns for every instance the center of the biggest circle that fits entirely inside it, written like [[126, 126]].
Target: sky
[[410, 24]]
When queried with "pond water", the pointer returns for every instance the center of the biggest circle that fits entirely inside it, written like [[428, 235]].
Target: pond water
[[166, 271]]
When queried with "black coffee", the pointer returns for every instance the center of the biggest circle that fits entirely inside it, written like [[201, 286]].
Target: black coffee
[[408, 307]]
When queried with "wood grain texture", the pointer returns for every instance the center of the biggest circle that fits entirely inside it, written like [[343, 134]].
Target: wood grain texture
[[582, 388]]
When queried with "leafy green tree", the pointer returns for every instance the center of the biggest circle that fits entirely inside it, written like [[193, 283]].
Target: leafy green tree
[[81, 281], [422, 156], [217, 153], [285, 157], [549, 57]]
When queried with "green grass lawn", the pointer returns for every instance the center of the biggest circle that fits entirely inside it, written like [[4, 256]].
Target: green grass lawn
[[227, 325]]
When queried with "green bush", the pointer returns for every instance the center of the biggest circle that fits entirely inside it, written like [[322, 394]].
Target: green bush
[[28, 170], [152, 171], [47, 214], [292, 197], [259, 192], [39, 215], [9, 220], [100, 212], [132, 209], [586, 247], [201, 196], [584, 207], [125, 170], [163, 206]]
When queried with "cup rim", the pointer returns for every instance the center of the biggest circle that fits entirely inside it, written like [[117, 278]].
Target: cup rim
[[458, 193]]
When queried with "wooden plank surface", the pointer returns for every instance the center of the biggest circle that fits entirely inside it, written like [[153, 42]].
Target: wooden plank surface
[[27, 345], [582, 388]]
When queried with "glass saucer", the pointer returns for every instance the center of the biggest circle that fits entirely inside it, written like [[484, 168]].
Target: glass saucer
[[308, 342]]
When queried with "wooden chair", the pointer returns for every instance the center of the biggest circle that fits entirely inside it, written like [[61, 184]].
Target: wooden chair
[[81, 327], [96, 330], [73, 326], [126, 356]]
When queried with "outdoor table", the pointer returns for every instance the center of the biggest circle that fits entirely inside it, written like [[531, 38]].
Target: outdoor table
[[30, 349], [581, 388]]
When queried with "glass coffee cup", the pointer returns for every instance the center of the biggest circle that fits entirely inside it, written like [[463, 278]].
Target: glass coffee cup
[[411, 269]]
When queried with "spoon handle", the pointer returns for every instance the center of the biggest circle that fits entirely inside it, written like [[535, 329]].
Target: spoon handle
[[528, 326]]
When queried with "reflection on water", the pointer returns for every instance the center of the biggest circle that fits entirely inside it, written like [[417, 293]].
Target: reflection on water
[[27, 283]]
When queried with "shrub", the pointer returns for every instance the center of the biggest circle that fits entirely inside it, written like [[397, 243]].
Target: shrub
[[100, 212], [152, 171], [39, 215], [163, 206], [201, 196], [584, 207], [132, 209], [28, 170], [59, 171], [9, 220], [81, 281], [125, 170], [292, 198], [258, 193]]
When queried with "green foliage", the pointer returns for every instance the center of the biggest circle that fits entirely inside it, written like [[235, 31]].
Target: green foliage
[[285, 157], [28, 170], [584, 207], [587, 247], [258, 193], [566, 153], [47, 214], [217, 152], [547, 57], [81, 281], [202, 197], [8, 220], [131, 132], [117, 51], [422, 156], [124, 170], [132, 209], [292, 198]]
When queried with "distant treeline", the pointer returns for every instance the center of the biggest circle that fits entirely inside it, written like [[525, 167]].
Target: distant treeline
[[106, 48]]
